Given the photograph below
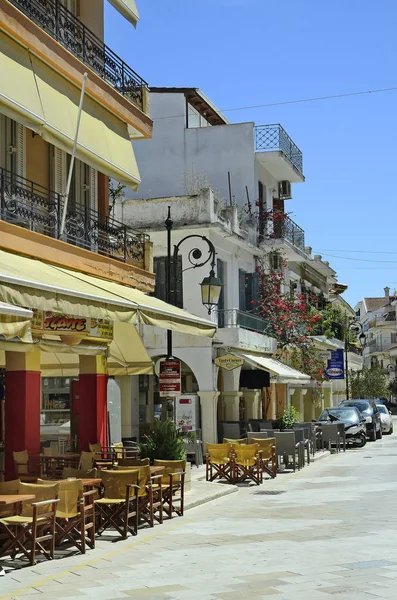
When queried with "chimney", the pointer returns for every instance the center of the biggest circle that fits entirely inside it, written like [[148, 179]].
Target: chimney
[[387, 295]]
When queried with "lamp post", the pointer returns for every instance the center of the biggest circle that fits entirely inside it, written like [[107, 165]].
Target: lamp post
[[211, 286], [358, 328]]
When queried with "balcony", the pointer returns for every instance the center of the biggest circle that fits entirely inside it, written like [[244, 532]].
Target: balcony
[[241, 329], [381, 344], [73, 35], [278, 153], [29, 205], [279, 226]]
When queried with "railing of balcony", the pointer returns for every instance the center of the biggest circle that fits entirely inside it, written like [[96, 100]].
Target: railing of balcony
[[25, 203], [70, 32], [380, 345], [274, 137], [232, 317], [280, 226]]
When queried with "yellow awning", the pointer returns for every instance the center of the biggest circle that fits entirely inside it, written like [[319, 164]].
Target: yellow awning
[[35, 95], [32, 283], [128, 9], [15, 323]]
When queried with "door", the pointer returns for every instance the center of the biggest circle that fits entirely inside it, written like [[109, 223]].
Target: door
[[114, 411]]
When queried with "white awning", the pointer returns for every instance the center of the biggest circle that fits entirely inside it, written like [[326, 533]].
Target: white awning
[[128, 9], [283, 373]]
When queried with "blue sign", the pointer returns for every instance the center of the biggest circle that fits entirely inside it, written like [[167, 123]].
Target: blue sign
[[336, 365]]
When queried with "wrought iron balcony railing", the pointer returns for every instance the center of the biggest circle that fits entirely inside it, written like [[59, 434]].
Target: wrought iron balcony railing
[[279, 226], [70, 32], [274, 137], [232, 317], [25, 203]]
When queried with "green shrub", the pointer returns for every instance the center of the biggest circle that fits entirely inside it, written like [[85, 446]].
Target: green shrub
[[164, 442], [288, 418]]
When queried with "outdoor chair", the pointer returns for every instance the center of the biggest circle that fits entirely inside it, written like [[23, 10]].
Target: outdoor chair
[[235, 442], [86, 462], [300, 439], [247, 463], [27, 469], [94, 448], [173, 486], [133, 462], [229, 429], [193, 447], [11, 488], [269, 431], [253, 425], [218, 463], [261, 435], [267, 453], [342, 435], [150, 496], [330, 436], [28, 532], [75, 514], [265, 425], [80, 473], [118, 509], [286, 447]]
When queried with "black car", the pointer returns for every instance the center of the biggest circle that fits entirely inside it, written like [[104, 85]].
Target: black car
[[353, 420], [371, 413]]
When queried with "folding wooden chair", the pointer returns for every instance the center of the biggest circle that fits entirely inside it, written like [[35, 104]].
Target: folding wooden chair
[[80, 473], [86, 462], [267, 454], [150, 496], [75, 514], [247, 463], [118, 509], [172, 485], [219, 462], [133, 462], [27, 469], [26, 533]]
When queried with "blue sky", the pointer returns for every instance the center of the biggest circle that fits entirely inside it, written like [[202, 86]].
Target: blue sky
[[250, 52]]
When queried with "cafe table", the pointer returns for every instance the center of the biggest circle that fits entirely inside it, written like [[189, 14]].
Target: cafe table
[[53, 465]]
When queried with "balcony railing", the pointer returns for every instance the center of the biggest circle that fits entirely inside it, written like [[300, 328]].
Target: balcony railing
[[232, 317], [25, 203], [274, 137], [279, 226], [70, 32], [380, 345]]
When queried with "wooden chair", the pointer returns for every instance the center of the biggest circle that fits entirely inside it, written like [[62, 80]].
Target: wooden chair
[[234, 442], [75, 514], [150, 496], [86, 462], [133, 462], [26, 533], [219, 462], [80, 473], [247, 463], [94, 448], [267, 454], [173, 485], [118, 509], [27, 469]]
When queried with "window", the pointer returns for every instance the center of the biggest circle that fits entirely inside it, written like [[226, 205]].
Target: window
[[248, 291], [194, 118], [394, 338], [275, 261], [160, 270]]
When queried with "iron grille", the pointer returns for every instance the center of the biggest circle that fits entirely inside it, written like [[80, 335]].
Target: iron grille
[[280, 226], [70, 32], [274, 137], [34, 207]]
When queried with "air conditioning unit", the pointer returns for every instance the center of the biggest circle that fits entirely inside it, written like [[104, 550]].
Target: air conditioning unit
[[284, 190]]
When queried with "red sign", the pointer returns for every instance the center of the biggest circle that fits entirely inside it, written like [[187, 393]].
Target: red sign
[[170, 377]]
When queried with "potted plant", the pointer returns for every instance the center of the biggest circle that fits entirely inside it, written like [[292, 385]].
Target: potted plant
[[165, 441], [288, 418]]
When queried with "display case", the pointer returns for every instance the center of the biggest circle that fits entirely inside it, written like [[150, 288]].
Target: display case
[[55, 406]]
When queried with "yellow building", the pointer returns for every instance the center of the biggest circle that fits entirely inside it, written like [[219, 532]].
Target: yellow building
[[72, 278]]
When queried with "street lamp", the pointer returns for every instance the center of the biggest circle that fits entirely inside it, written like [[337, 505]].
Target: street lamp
[[358, 328], [211, 286]]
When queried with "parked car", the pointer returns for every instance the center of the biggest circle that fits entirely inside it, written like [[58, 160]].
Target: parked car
[[353, 420], [371, 413], [385, 418]]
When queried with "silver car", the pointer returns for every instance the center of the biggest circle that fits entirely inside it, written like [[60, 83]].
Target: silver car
[[385, 418]]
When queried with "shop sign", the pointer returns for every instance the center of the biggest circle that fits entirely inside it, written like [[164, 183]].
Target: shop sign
[[170, 377], [46, 321], [229, 362], [335, 365]]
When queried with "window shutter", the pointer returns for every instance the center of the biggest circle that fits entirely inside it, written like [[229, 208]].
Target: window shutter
[[179, 283], [241, 289], [159, 270], [93, 190], [255, 291], [20, 133], [59, 171], [93, 219]]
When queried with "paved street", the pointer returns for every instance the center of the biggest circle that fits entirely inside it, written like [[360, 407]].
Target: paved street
[[328, 531]]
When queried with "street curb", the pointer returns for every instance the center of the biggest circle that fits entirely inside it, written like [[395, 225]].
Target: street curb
[[224, 490]]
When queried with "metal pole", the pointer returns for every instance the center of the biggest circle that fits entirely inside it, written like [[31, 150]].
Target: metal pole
[[65, 196], [169, 224], [346, 365]]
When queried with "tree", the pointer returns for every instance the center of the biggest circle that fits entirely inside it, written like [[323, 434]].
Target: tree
[[368, 383]]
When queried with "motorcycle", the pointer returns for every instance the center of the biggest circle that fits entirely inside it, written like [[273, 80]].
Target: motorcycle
[[356, 434]]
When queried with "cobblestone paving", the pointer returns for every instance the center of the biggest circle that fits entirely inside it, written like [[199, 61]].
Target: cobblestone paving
[[329, 531]]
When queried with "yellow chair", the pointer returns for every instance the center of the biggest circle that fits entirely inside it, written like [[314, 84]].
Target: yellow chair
[[247, 463], [75, 515], [118, 508], [118, 450], [11, 488], [133, 462], [267, 453], [173, 485], [94, 448], [80, 473], [27, 532], [150, 496], [234, 442], [86, 462], [26, 469], [219, 462]]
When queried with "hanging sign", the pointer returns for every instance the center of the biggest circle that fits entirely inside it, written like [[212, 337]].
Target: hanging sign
[[335, 365], [170, 377], [229, 362]]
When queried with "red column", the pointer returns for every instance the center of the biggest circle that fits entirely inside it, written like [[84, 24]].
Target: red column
[[90, 401], [22, 405]]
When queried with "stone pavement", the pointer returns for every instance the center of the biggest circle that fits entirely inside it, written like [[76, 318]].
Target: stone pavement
[[328, 531]]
